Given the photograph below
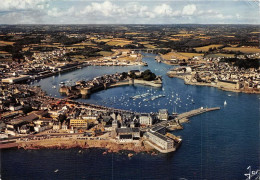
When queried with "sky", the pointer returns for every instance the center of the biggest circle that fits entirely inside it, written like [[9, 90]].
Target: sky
[[129, 12]]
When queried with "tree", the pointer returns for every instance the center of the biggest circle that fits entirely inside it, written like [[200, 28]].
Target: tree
[[62, 118], [132, 75], [124, 75], [147, 75]]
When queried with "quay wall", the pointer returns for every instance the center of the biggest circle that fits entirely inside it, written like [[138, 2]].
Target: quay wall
[[120, 83], [224, 87], [159, 148], [60, 71], [148, 83]]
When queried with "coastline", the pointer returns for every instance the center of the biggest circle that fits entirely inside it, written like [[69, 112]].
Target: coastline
[[62, 143], [136, 81], [212, 85], [83, 91]]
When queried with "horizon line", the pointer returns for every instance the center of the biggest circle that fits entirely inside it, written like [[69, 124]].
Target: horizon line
[[136, 24]]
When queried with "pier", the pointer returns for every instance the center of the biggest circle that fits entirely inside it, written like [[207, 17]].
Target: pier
[[184, 116], [166, 143], [195, 112]]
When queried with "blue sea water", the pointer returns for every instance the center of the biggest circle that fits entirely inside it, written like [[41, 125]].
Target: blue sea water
[[216, 145]]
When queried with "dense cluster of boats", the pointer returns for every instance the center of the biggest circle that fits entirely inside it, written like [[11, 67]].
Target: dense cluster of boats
[[151, 98], [155, 97], [145, 95], [140, 96]]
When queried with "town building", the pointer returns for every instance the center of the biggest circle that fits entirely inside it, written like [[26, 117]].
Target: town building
[[163, 114], [146, 119], [56, 126], [160, 140], [127, 134], [79, 123]]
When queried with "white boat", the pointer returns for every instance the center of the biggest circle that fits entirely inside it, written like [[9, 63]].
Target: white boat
[[56, 170], [62, 83], [225, 102]]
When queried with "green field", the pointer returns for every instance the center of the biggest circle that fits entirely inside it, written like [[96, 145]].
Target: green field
[[243, 49], [6, 43], [190, 55], [220, 55], [105, 53], [118, 43], [206, 48]]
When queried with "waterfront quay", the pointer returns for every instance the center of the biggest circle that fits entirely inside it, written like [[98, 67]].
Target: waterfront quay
[[48, 71], [177, 119]]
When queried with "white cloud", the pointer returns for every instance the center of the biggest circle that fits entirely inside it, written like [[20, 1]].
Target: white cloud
[[55, 12], [163, 10], [130, 10], [10, 5], [189, 9], [106, 9], [24, 18], [115, 11], [237, 16]]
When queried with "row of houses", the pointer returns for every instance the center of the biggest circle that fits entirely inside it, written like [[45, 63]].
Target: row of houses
[[220, 74]]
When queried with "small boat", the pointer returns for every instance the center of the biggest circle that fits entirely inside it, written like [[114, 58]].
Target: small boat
[[130, 155], [154, 154], [225, 102], [56, 170], [62, 84]]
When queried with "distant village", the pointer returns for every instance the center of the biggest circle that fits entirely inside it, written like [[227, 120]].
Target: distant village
[[45, 64]]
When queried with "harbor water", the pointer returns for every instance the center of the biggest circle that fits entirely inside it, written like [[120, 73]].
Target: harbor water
[[216, 145]]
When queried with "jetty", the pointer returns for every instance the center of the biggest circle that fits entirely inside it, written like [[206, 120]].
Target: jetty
[[183, 117], [195, 112], [157, 137]]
